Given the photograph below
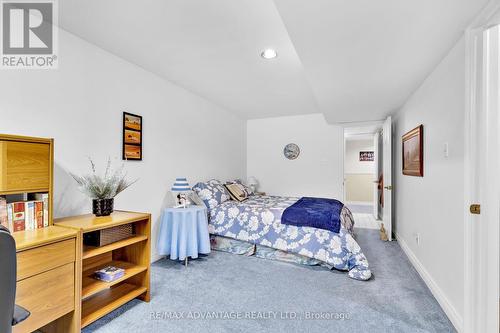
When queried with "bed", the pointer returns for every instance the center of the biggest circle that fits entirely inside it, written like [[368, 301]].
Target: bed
[[254, 225]]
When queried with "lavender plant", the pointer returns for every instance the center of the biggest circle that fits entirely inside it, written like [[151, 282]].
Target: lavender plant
[[107, 186]]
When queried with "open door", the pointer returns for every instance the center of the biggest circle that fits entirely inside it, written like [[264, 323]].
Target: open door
[[482, 185], [387, 174], [378, 164]]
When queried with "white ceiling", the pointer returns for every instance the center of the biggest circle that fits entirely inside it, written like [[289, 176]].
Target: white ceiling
[[210, 47], [364, 58], [352, 60], [362, 131]]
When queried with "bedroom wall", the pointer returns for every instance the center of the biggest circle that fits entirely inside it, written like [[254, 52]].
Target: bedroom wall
[[318, 169], [80, 105], [432, 207]]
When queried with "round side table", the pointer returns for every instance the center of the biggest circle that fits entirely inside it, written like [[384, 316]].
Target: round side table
[[184, 233]]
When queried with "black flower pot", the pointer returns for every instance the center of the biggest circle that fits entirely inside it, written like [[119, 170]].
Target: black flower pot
[[102, 207]]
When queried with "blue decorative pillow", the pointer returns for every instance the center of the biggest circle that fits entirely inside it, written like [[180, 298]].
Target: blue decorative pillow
[[213, 193]]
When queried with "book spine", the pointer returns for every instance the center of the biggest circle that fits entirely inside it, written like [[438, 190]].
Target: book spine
[[3, 212], [29, 215], [39, 214], [27, 225], [10, 216], [45, 199], [18, 217], [109, 277]]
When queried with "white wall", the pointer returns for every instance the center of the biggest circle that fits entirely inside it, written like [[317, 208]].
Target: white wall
[[318, 169], [433, 206], [80, 105], [352, 163]]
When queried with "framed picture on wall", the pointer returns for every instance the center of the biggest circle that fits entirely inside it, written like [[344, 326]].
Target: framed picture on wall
[[413, 152], [132, 137], [366, 156]]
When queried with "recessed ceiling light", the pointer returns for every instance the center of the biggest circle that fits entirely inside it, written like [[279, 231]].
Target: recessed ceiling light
[[269, 54]]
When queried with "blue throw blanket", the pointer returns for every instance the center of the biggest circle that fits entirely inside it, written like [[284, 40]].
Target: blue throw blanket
[[314, 212]]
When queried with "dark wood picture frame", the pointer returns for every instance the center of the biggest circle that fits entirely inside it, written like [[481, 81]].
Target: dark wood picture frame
[[413, 152], [132, 137]]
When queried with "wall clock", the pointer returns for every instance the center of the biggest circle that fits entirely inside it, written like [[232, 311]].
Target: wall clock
[[291, 151]]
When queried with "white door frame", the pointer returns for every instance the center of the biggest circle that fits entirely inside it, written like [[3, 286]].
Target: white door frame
[[354, 124], [480, 312], [387, 167], [378, 162]]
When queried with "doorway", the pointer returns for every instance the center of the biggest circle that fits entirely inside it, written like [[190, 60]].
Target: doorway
[[482, 181], [362, 173]]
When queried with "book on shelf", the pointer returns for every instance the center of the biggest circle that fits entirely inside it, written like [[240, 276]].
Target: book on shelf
[[39, 222], [10, 217], [3, 212], [18, 214], [44, 197], [109, 273], [29, 215]]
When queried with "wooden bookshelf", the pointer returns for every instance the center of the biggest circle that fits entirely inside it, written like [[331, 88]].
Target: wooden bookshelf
[[92, 251], [109, 300], [91, 286], [26, 168], [133, 254]]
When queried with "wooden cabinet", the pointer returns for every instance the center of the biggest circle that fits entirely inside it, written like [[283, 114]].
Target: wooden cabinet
[[48, 259], [24, 166], [49, 279], [99, 298], [48, 296], [45, 258]]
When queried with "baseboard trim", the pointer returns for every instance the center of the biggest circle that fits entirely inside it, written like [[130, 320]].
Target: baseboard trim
[[438, 293]]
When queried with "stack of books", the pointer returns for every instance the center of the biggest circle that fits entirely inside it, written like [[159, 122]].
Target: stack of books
[[109, 273], [25, 215]]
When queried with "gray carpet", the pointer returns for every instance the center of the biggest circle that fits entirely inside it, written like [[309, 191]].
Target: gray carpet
[[362, 209], [394, 300]]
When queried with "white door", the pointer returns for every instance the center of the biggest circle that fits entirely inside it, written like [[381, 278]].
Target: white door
[[387, 174], [376, 174], [482, 178]]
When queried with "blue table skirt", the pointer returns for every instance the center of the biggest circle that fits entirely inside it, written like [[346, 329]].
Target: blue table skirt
[[184, 233]]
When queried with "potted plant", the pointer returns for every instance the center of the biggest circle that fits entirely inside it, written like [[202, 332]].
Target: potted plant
[[103, 189]]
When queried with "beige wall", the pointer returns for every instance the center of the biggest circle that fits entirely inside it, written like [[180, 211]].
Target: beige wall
[[359, 187], [359, 175]]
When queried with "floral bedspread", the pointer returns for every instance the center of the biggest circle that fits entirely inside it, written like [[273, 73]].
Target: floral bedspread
[[258, 220]]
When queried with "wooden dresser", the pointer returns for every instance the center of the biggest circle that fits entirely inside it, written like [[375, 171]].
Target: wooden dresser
[[48, 279], [48, 259]]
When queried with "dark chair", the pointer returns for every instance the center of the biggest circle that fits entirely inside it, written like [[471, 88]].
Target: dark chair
[[10, 314]]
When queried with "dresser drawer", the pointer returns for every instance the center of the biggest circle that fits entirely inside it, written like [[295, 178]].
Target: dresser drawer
[[47, 296], [44, 258], [24, 165]]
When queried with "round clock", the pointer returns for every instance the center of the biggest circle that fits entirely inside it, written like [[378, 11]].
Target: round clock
[[291, 151]]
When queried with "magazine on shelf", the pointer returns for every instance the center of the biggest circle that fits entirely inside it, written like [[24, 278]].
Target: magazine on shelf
[[109, 273]]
